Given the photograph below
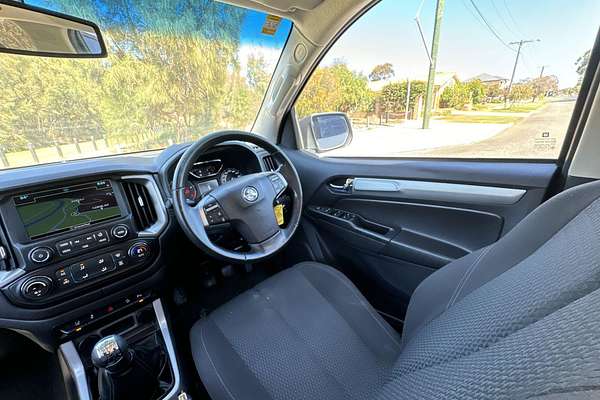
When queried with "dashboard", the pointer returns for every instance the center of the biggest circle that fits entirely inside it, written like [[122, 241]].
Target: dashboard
[[216, 168], [80, 241]]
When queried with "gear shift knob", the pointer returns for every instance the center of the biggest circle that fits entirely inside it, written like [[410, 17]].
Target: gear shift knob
[[112, 353]]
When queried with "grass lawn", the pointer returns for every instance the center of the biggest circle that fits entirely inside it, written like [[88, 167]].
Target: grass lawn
[[481, 119], [513, 108]]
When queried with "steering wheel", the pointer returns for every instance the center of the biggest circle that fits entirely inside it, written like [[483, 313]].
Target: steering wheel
[[246, 203]]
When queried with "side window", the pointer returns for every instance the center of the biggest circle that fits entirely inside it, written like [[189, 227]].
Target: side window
[[506, 77]]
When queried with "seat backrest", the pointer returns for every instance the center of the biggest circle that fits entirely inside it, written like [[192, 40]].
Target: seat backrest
[[519, 319]]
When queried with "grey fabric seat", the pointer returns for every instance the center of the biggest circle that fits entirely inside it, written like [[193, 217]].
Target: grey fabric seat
[[519, 319]]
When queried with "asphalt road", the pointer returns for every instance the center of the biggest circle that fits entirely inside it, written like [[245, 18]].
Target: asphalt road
[[540, 135]]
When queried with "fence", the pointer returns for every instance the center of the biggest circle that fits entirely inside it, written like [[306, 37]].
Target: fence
[[55, 153]]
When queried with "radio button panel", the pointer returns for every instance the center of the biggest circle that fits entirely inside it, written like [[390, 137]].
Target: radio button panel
[[54, 283]]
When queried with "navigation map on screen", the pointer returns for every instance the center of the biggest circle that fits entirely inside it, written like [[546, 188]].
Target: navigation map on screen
[[63, 209]]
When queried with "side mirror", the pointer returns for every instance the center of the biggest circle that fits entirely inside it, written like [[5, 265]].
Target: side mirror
[[34, 31], [326, 131]]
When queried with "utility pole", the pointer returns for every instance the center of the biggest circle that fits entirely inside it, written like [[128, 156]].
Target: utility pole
[[439, 12], [407, 99], [542, 71], [512, 77]]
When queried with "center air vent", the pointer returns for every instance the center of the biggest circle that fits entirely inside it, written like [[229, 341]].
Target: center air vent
[[141, 205], [6, 261], [270, 163]]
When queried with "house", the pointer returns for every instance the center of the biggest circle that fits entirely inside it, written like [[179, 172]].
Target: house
[[490, 80]]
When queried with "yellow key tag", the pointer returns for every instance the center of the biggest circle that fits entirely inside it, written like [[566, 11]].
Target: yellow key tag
[[278, 209]]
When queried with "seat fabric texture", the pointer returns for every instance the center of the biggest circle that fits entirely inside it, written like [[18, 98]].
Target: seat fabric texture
[[519, 319]]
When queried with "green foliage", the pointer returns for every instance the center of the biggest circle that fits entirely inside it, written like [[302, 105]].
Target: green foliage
[[335, 88], [521, 91], [172, 75], [393, 95], [582, 63], [456, 96], [382, 72]]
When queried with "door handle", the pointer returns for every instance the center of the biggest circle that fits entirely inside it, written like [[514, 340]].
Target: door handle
[[345, 187]]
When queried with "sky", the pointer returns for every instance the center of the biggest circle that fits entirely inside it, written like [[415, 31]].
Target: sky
[[388, 33]]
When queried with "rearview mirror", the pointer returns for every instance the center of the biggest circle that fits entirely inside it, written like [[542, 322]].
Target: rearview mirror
[[29, 30], [326, 131]]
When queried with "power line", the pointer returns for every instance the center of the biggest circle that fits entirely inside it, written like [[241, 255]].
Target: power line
[[473, 14], [514, 21], [508, 28], [490, 27]]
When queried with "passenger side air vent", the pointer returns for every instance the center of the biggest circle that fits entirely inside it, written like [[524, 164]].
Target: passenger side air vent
[[141, 205], [270, 163]]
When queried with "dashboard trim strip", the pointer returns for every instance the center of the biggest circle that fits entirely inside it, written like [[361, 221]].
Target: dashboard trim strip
[[164, 330], [76, 368]]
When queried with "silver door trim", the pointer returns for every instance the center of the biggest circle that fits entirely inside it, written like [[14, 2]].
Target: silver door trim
[[440, 191]]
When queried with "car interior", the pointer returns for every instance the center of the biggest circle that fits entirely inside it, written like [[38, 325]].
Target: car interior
[[248, 263]]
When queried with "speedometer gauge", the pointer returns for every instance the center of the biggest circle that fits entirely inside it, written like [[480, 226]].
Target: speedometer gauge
[[229, 174], [189, 192]]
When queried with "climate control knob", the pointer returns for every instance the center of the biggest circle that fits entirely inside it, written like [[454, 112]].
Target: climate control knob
[[40, 255], [139, 251], [36, 287]]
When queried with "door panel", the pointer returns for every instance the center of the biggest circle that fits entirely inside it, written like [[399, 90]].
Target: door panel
[[388, 224]]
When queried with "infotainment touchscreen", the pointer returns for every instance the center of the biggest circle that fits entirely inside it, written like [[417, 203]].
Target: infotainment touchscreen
[[66, 208]]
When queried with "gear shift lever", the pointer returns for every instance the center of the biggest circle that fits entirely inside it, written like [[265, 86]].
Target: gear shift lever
[[122, 374], [112, 353]]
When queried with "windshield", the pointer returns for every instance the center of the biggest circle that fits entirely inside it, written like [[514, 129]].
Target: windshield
[[176, 71]]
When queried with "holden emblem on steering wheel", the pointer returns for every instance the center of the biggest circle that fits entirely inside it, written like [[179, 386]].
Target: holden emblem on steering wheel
[[250, 194]]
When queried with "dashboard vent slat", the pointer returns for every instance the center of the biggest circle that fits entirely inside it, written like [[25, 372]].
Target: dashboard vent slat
[[270, 163], [141, 205], [6, 260]]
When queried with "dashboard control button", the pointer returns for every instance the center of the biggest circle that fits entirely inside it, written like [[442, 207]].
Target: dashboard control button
[[139, 251], [80, 272], [101, 265], [119, 231], [36, 287], [118, 255], [64, 247], [101, 237], [40, 255]]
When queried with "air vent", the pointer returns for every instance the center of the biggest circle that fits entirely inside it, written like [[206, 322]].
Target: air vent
[[6, 261], [141, 205], [270, 163]]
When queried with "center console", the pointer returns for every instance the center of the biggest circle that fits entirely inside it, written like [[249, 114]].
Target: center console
[[70, 238]]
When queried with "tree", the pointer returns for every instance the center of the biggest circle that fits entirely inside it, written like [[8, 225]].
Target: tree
[[335, 88], [543, 86], [582, 63], [172, 73], [393, 95], [521, 91], [381, 72], [460, 94]]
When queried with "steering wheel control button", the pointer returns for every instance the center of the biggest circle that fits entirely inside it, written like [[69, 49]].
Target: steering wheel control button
[[277, 182], [40, 255], [139, 251], [214, 213], [119, 231], [36, 287], [250, 194]]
